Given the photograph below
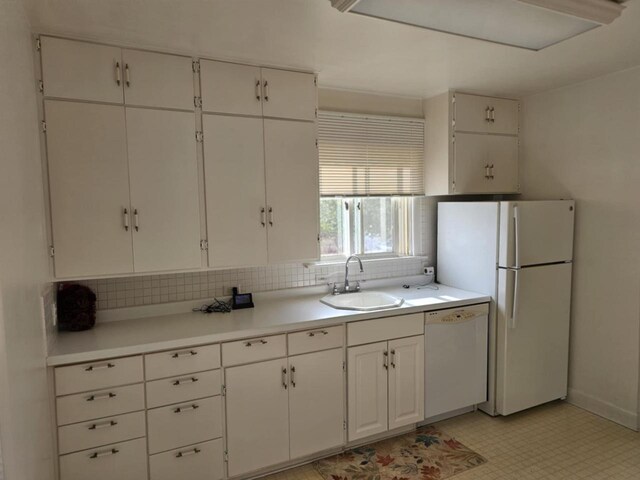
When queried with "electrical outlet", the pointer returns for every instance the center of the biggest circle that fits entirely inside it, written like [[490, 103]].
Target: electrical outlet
[[429, 270]]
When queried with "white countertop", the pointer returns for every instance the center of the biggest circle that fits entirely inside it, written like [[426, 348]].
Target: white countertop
[[274, 312]]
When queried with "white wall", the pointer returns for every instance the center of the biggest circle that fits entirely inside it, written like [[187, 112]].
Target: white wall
[[583, 142], [24, 413]]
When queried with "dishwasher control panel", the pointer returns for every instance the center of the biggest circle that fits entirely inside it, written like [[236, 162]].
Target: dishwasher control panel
[[457, 315]]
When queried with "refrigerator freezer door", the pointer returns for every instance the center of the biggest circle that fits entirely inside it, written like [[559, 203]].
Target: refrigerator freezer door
[[533, 336], [536, 232]]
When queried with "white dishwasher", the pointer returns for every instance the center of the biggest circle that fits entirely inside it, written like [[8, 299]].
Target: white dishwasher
[[456, 346]]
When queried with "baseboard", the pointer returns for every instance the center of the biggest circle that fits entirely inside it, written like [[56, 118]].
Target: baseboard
[[603, 409], [446, 416]]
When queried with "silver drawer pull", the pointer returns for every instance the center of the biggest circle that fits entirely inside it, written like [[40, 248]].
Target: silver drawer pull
[[185, 353], [250, 343], [101, 396], [186, 453], [188, 408], [182, 381], [318, 332], [97, 426], [104, 453], [99, 366]]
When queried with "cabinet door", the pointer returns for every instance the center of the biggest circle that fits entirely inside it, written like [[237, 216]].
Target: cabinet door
[[471, 163], [89, 188], [164, 189], [472, 113], [367, 386], [502, 155], [406, 381], [288, 94], [257, 416], [293, 197], [230, 88], [83, 71], [316, 402], [234, 181], [157, 80], [504, 117]]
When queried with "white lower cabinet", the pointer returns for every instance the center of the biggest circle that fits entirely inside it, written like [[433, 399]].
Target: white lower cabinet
[[386, 386], [257, 415], [316, 402], [202, 461], [124, 461]]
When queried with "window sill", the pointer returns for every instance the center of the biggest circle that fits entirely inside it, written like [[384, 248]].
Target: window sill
[[365, 259]]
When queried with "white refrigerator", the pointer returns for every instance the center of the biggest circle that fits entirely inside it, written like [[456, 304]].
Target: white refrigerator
[[520, 253]]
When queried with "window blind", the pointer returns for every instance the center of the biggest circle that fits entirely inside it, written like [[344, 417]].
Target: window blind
[[370, 155]]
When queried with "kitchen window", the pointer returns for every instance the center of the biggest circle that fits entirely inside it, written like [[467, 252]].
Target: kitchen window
[[370, 168]]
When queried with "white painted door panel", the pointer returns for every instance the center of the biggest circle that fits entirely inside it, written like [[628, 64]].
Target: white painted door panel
[[89, 188], [235, 190], [472, 113], [288, 94], [157, 80], [504, 118], [406, 381], [316, 402], [203, 461], [291, 159], [164, 189], [257, 415], [230, 88], [471, 163], [367, 388], [82, 71], [533, 336], [124, 461], [502, 156]]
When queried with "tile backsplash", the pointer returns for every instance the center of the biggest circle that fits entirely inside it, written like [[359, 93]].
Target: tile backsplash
[[176, 287]]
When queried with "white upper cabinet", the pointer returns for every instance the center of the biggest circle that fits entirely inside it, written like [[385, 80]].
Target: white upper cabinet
[[89, 189], [230, 88], [157, 80], [235, 188], [288, 94], [406, 381], [163, 171], [471, 144], [293, 198], [80, 70]]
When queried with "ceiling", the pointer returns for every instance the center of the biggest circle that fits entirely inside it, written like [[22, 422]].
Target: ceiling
[[348, 51]]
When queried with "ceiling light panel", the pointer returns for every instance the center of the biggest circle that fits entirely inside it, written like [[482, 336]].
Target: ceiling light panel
[[507, 22]]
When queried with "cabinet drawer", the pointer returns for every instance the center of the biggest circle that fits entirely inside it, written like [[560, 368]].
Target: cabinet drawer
[[183, 388], [96, 375], [198, 462], [185, 360], [317, 339], [124, 461], [254, 350], [184, 424], [95, 433], [370, 331], [98, 404]]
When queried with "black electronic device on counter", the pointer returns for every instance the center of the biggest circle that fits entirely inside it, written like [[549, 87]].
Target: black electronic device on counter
[[241, 300]]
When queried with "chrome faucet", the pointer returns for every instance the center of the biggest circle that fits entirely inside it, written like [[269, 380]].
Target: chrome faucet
[[347, 286]]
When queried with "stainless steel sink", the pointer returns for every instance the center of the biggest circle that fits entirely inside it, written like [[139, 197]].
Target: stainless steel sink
[[362, 301]]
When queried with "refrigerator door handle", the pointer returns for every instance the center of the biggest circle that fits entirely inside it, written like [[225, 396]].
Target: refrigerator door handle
[[516, 234], [514, 302]]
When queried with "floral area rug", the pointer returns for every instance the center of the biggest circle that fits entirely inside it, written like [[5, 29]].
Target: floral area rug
[[426, 454]]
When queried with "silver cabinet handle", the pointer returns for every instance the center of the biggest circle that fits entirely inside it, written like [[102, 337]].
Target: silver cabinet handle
[[104, 453], [385, 360], [118, 75], [491, 172], [100, 396], [284, 378], [317, 332], [258, 90], [125, 216], [99, 366], [186, 453], [263, 221], [183, 381], [265, 91], [127, 75], [393, 358], [251, 343], [270, 211], [487, 175], [184, 353], [292, 376], [97, 426], [493, 115], [187, 408], [487, 114], [136, 222]]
